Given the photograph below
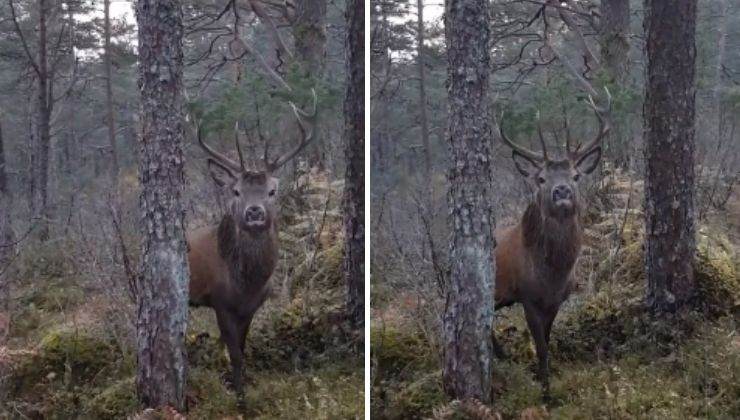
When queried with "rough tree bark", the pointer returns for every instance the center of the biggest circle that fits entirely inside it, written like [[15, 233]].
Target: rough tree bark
[[354, 151], [615, 46], [40, 200], [309, 34], [468, 314], [110, 118], [6, 229], [422, 87], [163, 287], [670, 28], [380, 67]]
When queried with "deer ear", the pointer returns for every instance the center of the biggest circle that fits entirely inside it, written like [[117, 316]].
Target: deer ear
[[220, 173], [588, 162], [525, 165]]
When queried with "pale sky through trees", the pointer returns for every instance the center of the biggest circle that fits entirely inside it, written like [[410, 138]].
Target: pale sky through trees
[[121, 9]]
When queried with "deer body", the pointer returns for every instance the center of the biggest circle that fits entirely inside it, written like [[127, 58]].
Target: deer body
[[231, 263], [535, 258], [230, 270]]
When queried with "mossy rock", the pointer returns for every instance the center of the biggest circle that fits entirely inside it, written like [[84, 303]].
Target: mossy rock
[[414, 398], [300, 335], [395, 352], [69, 357], [114, 401]]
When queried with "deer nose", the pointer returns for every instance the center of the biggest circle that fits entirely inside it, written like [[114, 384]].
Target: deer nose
[[254, 214], [561, 192]]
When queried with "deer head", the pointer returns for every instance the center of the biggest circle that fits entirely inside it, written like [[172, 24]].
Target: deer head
[[250, 194], [556, 180]]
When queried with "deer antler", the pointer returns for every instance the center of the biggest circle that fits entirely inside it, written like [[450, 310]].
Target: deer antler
[[521, 149], [238, 146], [542, 137], [220, 158], [306, 134], [602, 113]]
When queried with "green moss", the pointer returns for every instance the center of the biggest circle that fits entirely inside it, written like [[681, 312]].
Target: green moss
[[301, 335], [70, 357], [208, 395], [114, 401], [413, 398], [52, 295], [406, 381], [465, 410], [325, 270], [514, 387], [206, 351], [333, 392], [395, 352], [716, 277]]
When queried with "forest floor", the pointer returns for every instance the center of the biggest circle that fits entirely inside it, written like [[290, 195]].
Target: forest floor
[[609, 358], [70, 350]]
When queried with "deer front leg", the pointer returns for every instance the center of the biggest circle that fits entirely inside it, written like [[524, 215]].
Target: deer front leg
[[537, 326], [229, 327]]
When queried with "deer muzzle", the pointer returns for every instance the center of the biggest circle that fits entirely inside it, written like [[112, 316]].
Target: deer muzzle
[[562, 193], [255, 217]]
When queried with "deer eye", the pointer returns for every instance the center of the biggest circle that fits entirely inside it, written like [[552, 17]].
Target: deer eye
[[271, 193], [236, 193], [541, 180], [576, 177]]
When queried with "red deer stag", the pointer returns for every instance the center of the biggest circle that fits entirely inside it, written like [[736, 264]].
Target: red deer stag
[[535, 258], [230, 263]]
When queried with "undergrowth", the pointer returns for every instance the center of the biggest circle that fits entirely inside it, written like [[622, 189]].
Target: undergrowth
[[610, 359], [66, 360]]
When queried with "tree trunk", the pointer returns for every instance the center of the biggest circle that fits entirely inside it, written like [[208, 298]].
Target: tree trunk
[[380, 67], [468, 314], [6, 228], [615, 46], [40, 201], [719, 85], [110, 120], [422, 88], [670, 27], [354, 151], [163, 287], [309, 34]]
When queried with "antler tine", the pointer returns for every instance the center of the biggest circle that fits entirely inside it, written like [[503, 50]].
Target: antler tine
[[541, 136], [604, 124], [306, 136], [568, 138], [238, 146], [214, 154], [519, 149]]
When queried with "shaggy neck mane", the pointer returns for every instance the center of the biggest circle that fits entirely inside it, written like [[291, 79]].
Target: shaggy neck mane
[[251, 259], [558, 240]]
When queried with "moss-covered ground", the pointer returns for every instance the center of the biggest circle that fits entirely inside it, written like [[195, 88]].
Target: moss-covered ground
[[610, 359], [70, 356]]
